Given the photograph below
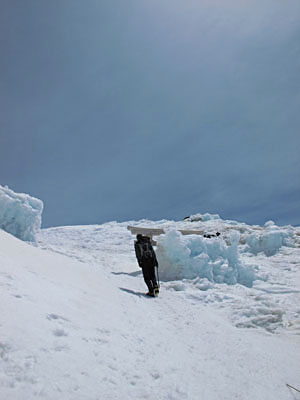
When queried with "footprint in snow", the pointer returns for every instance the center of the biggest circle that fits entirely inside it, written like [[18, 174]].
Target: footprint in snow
[[155, 375], [98, 340], [4, 350], [60, 348], [56, 317], [60, 333], [9, 277]]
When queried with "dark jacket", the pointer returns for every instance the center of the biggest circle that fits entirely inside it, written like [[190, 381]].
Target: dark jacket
[[138, 253]]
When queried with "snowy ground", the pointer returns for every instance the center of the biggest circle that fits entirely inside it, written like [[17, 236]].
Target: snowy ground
[[75, 323]]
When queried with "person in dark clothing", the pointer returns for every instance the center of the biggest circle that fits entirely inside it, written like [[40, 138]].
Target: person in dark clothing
[[147, 260]]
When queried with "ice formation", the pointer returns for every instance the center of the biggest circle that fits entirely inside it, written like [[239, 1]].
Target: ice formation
[[202, 217], [270, 240], [189, 257], [20, 214]]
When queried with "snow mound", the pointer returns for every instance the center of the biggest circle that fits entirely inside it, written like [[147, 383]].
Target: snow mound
[[270, 240], [188, 257], [20, 214]]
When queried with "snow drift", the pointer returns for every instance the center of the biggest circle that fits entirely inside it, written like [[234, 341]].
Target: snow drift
[[182, 257], [20, 214]]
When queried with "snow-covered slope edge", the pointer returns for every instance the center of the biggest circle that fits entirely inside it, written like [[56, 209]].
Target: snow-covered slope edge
[[74, 331]]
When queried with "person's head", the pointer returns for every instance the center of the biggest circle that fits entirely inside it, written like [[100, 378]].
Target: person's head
[[139, 237]]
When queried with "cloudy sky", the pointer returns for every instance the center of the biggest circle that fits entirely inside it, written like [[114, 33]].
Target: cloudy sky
[[120, 110]]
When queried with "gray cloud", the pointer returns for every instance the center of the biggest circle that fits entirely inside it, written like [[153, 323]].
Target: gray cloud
[[152, 109]]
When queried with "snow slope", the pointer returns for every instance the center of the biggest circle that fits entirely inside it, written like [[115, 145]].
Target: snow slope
[[74, 323]]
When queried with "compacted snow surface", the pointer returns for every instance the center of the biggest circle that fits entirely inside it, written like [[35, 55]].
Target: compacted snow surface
[[75, 323]]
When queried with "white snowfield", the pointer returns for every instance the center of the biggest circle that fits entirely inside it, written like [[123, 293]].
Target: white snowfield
[[75, 324], [20, 214]]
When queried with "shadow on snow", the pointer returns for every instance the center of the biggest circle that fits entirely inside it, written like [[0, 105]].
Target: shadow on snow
[[135, 273], [139, 294]]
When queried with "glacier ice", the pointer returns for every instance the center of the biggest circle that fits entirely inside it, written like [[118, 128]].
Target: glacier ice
[[188, 257], [270, 240], [20, 214], [202, 217]]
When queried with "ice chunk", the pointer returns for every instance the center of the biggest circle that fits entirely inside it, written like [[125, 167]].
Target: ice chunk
[[269, 224], [202, 217], [187, 257], [270, 240], [209, 217], [20, 214]]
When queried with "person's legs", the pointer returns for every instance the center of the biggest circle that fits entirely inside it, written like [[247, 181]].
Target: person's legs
[[153, 277], [148, 278]]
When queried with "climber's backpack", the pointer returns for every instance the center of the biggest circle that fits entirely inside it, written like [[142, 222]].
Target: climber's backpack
[[146, 251]]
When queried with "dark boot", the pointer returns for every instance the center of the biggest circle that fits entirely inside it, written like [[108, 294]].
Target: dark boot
[[150, 294]]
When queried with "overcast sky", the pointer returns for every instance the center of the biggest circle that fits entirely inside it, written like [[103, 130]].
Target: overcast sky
[[121, 110]]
